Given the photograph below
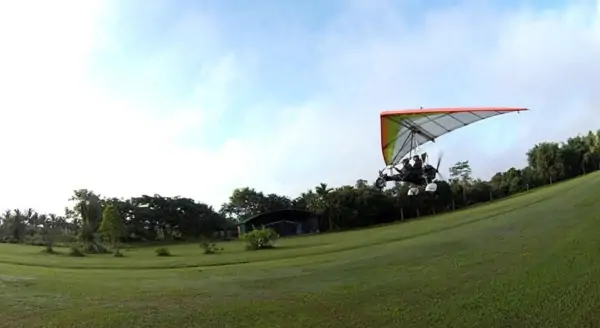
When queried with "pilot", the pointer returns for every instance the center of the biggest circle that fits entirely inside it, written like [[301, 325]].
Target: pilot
[[418, 162], [406, 165]]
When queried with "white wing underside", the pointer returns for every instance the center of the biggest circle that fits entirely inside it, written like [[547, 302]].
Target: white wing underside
[[428, 128]]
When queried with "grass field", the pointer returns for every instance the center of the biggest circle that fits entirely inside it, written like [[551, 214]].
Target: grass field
[[529, 261]]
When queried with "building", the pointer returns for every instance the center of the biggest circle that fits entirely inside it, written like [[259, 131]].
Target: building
[[287, 222]]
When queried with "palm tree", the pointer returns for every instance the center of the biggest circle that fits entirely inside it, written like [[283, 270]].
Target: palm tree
[[322, 191], [322, 201], [5, 220], [89, 210], [30, 218], [15, 224]]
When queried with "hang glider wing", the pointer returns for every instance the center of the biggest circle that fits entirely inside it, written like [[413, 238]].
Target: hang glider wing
[[401, 131]]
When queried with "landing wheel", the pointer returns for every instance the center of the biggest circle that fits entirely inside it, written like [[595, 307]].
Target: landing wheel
[[380, 183], [431, 188], [414, 191]]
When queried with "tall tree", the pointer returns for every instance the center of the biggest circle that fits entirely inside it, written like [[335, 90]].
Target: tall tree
[[322, 200], [112, 226], [88, 209], [16, 225], [49, 229], [243, 203], [546, 159], [591, 157], [460, 174]]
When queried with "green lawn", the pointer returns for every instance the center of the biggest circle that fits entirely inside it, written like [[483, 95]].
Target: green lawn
[[529, 261]]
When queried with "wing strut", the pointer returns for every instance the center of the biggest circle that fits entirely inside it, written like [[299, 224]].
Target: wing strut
[[411, 140]]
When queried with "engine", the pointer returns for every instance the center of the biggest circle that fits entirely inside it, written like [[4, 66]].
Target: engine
[[431, 187], [429, 173]]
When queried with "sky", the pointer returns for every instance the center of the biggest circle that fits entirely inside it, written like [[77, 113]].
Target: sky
[[196, 98]]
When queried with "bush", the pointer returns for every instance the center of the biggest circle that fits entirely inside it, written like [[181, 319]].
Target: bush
[[163, 252], [48, 250], [34, 240], [95, 248], [76, 252], [209, 247], [119, 254], [8, 240], [259, 238]]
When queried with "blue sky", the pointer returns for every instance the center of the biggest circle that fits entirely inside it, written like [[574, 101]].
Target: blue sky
[[207, 96]]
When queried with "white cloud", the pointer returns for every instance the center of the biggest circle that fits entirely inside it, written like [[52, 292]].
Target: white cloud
[[62, 129]]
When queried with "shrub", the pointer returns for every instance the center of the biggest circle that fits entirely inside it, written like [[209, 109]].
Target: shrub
[[95, 248], [8, 240], [48, 250], [119, 254], [34, 240], [75, 252], [259, 238], [163, 252], [209, 247]]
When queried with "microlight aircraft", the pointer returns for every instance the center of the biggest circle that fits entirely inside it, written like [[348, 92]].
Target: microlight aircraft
[[404, 131]]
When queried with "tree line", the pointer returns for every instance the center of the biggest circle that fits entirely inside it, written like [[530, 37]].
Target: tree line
[[159, 218]]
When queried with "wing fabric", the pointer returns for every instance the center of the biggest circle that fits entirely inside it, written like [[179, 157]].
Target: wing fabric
[[401, 131]]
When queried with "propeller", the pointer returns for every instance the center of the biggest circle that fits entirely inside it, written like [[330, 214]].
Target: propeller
[[439, 162]]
